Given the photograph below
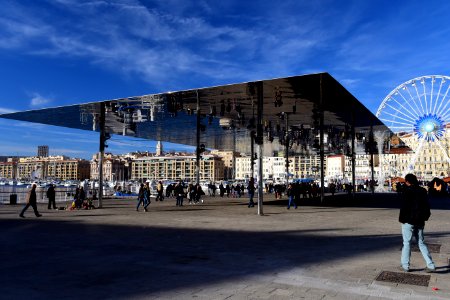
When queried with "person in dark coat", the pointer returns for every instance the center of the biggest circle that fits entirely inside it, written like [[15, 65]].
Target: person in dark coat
[[414, 211], [251, 192], [141, 199], [290, 192], [31, 201], [198, 193], [179, 193], [51, 195]]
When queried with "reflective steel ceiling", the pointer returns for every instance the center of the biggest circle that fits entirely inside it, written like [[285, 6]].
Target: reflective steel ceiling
[[228, 115]]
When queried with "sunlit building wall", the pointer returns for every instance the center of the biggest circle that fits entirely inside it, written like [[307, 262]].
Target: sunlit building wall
[[177, 167]]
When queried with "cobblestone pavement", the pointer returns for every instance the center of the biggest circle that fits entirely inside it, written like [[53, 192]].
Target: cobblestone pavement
[[217, 250]]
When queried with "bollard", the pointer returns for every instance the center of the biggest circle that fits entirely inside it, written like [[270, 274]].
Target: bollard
[[13, 199]]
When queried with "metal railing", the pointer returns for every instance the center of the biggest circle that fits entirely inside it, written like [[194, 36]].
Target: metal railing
[[62, 194]]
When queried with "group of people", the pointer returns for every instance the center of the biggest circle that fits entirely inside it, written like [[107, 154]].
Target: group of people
[[194, 193], [144, 196], [80, 201]]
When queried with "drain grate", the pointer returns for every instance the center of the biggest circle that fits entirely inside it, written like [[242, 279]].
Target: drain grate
[[432, 248], [404, 278]]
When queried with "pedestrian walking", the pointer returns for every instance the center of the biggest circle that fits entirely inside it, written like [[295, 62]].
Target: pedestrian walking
[[290, 194], [51, 195], [31, 201], [415, 210], [251, 192], [147, 194], [159, 190], [140, 197]]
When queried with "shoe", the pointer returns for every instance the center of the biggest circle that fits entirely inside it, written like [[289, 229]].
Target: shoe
[[287, 207], [22, 216], [39, 215], [403, 269], [428, 270], [145, 210], [296, 207]]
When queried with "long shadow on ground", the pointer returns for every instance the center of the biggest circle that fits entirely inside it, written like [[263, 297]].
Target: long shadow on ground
[[52, 260]]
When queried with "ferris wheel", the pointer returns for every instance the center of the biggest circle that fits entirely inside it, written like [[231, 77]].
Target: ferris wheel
[[419, 110]]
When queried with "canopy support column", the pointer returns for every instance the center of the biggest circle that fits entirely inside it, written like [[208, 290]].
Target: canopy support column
[[102, 153], [260, 141], [321, 137], [197, 160], [286, 142]]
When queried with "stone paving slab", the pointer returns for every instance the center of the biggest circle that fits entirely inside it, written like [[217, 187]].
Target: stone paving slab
[[217, 250]]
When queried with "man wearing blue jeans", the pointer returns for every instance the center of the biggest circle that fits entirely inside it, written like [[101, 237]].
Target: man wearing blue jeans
[[414, 211]]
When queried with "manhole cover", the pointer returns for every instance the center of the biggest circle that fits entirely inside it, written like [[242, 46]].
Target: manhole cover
[[404, 278], [432, 248]]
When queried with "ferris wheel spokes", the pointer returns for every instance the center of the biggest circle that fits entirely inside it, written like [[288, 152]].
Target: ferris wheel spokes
[[438, 93], [443, 100], [398, 117], [404, 112], [433, 79], [413, 101], [416, 153], [418, 97], [416, 112], [397, 122], [425, 95]]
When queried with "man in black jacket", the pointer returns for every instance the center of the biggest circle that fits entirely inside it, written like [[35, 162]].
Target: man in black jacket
[[414, 212], [51, 195]]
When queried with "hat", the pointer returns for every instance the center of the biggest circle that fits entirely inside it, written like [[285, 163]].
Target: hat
[[147, 181]]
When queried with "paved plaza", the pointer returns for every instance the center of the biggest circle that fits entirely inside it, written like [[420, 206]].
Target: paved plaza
[[218, 250]]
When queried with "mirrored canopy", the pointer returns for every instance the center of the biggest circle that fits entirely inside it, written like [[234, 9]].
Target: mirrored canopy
[[228, 114]]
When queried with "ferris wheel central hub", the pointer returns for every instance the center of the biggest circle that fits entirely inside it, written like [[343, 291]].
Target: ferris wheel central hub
[[430, 127]]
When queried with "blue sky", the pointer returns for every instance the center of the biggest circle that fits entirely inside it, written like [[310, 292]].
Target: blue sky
[[62, 52]]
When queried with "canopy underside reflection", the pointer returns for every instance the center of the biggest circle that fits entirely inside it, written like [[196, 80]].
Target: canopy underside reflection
[[228, 114]]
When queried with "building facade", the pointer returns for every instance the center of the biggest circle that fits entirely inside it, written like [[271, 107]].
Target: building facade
[[52, 167], [115, 168], [274, 167], [432, 159], [8, 169], [177, 167], [229, 161]]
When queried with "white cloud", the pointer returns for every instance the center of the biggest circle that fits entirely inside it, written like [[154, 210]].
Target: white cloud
[[164, 45], [39, 101]]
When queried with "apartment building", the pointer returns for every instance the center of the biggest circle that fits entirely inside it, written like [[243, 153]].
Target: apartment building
[[115, 167], [58, 167], [177, 167]]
